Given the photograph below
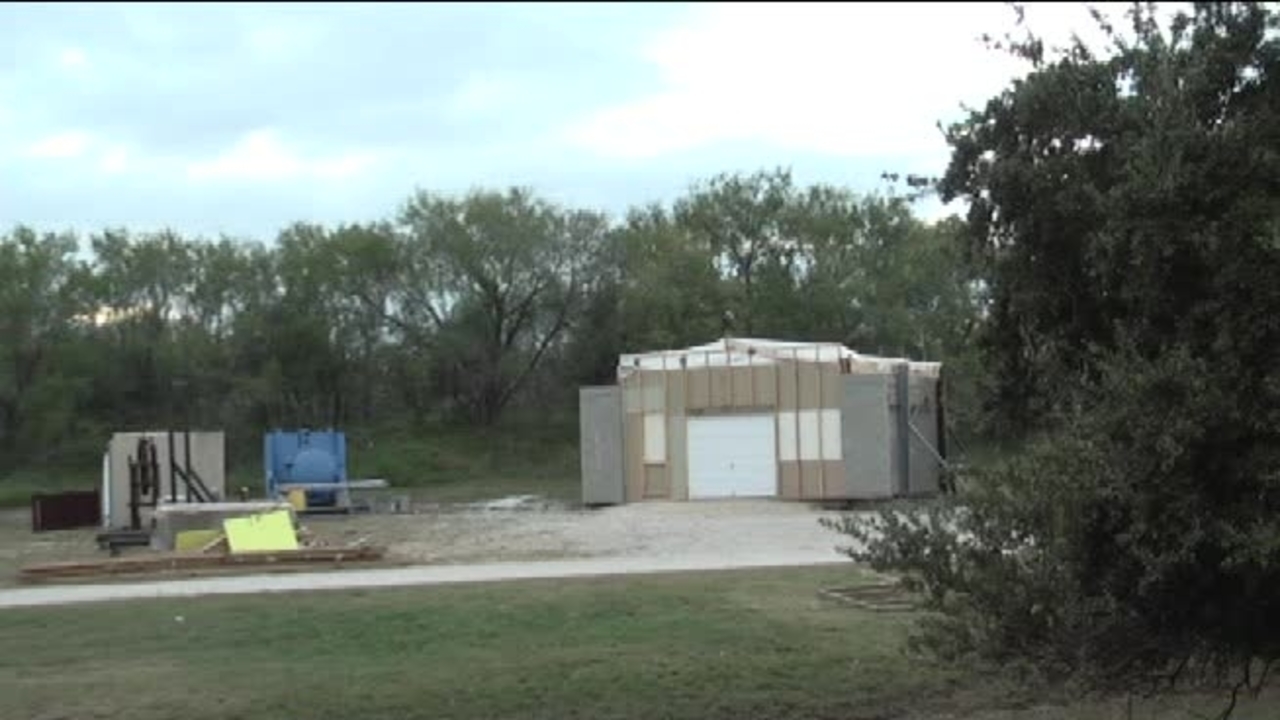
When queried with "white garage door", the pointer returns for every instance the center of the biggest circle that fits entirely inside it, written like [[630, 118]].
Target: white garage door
[[732, 456]]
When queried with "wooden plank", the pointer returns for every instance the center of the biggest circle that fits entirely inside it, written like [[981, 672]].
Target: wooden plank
[[219, 543], [189, 561]]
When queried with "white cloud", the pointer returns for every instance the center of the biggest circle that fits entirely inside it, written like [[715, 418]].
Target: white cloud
[[72, 58], [865, 79], [70, 144], [261, 156], [482, 94], [114, 161], [282, 42]]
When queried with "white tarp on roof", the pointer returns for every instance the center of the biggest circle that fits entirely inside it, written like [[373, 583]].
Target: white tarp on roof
[[756, 351]]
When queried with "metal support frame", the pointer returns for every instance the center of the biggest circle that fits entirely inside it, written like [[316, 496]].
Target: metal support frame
[[901, 376], [144, 481], [191, 480], [939, 452]]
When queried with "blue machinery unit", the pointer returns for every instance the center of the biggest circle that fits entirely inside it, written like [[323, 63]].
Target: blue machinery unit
[[309, 460]]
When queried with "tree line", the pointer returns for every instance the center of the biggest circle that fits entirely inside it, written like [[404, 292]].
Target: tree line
[[466, 309]]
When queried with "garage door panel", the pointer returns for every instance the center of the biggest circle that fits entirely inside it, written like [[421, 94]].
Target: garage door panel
[[732, 456]]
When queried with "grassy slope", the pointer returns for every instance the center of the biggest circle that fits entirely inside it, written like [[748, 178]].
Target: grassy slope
[[443, 464], [448, 464], [733, 645]]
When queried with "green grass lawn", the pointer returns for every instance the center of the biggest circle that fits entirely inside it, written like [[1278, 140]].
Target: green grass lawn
[[459, 465], [733, 645], [17, 487]]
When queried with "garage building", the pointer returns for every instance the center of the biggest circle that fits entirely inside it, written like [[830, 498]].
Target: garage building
[[762, 418]]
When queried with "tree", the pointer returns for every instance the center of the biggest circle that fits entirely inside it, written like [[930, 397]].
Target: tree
[[877, 278], [671, 292], [501, 275], [745, 223], [1126, 211], [41, 293]]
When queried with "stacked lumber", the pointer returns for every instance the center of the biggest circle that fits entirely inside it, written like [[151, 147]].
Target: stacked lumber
[[194, 561], [255, 539]]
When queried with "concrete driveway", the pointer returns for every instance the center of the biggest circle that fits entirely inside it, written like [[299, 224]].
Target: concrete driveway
[[393, 577]]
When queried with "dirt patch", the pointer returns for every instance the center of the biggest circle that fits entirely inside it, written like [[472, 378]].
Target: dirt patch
[[19, 546], [882, 597]]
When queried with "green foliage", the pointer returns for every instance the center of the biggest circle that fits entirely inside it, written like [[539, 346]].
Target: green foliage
[[453, 317], [1124, 213], [1118, 552], [42, 291], [509, 272]]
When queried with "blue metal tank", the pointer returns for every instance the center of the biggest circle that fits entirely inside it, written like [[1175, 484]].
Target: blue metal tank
[[306, 456]]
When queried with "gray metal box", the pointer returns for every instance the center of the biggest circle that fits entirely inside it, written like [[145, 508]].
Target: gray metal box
[[600, 437]]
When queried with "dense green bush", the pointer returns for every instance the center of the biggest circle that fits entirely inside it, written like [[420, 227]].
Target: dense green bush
[[1126, 211]]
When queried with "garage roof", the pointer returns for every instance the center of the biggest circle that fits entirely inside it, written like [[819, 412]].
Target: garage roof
[[728, 352]]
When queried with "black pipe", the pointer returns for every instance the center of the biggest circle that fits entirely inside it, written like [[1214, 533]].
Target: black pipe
[[153, 474], [902, 379], [186, 462], [135, 521], [942, 416], [173, 465]]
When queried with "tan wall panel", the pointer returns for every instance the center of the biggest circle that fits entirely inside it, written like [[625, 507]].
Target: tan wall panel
[[678, 457], [654, 395], [720, 392], [766, 385], [742, 384], [633, 463], [655, 483], [698, 388], [676, 391], [834, 484], [789, 472], [808, 386], [632, 401], [810, 485], [832, 386], [787, 390]]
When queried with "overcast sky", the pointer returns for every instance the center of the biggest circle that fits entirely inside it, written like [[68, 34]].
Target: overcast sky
[[239, 119]]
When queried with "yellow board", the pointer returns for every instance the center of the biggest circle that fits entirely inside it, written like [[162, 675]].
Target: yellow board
[[189, 540], [298, 499], [264, 532]]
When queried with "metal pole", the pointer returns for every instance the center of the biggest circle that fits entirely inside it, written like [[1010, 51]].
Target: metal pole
[[173, 464], [186, 452], [902, 378]]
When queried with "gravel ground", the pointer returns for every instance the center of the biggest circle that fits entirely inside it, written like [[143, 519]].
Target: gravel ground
[[507, 539], [533, 531]]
